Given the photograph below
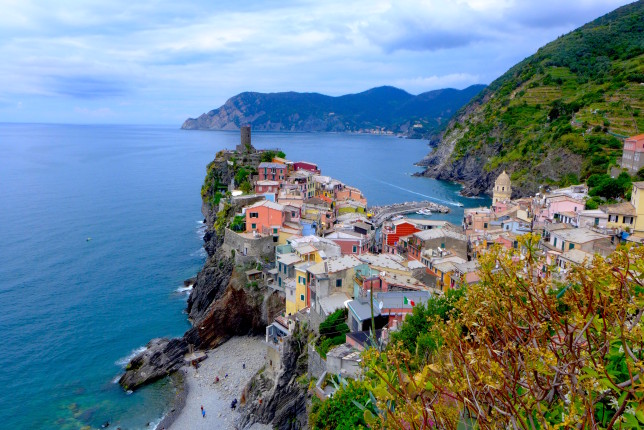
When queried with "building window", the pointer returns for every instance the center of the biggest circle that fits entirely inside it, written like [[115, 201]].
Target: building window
[[571, 246], [338, 283], [302, 297], [355, 248], [555, 242], [253, 226], [485, 225], [254, 214]]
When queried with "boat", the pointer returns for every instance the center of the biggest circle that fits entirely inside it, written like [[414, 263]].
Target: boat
[[397, 217], [459, 204], [424, 211]]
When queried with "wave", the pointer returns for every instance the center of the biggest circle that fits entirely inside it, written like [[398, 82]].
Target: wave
[[122, 362], [201, 253], [185, 289], [447, 202]]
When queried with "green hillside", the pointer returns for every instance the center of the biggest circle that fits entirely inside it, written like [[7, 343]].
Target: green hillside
[[557, 116], [386, 109]]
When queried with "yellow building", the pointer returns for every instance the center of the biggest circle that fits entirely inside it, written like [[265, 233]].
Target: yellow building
[[637, 201], [297, 292], [621, 216], [502, 188]]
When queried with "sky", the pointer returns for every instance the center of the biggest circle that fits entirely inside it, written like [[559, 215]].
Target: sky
[[162, 61]]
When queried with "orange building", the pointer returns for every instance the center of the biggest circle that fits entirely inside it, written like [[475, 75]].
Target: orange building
[[265, 217]]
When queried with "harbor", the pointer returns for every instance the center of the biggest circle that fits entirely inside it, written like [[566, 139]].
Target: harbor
[[380, 214]]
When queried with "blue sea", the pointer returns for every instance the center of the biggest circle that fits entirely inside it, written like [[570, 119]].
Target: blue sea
[[100, 225]]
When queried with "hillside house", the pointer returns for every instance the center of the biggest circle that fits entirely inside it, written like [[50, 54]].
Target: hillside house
[[265, 217], [633, 153], [268, 171]]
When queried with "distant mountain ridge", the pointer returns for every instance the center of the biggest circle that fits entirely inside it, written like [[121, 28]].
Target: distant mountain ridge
[[556, 117], [386, 108]]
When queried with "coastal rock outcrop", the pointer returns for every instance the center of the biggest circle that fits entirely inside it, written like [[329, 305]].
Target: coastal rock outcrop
[[283, 399], [221, 305], [161, 357]]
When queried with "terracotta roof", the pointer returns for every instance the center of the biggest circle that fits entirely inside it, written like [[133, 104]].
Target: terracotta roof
[[637, 137]]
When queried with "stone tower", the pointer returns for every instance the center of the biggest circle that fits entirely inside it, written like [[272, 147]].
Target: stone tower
[[245, 145], [502, 188]]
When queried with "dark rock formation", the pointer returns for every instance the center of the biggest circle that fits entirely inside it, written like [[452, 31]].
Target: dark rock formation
[[220, 306], [162, 357], [283, 403]]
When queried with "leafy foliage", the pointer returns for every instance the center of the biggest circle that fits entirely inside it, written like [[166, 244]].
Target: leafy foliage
[[525, 351], [268, 156], [332, 331], [340, 411]]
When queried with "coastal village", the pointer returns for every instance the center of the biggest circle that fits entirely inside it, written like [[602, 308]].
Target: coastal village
[[352, 273]]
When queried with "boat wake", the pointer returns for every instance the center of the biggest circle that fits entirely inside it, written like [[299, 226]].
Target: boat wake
[[446, 202]]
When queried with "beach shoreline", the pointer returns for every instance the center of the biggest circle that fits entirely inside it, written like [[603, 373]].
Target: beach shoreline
[[240, 358]]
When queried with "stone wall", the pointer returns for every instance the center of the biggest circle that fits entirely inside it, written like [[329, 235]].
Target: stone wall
[[248, 249], [317, 365]]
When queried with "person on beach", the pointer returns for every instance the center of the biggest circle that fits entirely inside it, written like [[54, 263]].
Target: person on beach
[[203, 412], [243, 365]]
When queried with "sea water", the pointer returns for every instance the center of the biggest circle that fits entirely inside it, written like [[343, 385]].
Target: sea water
[[100, 225]]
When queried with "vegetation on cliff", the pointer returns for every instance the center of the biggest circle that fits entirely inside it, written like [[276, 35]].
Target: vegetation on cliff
[[557, 116], [386, 108], [520, 351]]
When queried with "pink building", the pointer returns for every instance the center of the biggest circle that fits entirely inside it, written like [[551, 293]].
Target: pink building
[[557, 206], [265, 217], [350, 242], [262, 187], [633, 154], [271, 171]]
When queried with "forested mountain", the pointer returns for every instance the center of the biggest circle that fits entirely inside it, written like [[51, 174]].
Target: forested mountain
[[383, 108], [556, 117]]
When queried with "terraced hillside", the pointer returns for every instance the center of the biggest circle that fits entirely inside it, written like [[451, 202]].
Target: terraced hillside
[[556, 117]]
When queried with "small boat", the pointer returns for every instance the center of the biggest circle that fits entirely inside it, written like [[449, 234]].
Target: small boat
[[397, 217], [424, 211], [88, 239], [459, 204]]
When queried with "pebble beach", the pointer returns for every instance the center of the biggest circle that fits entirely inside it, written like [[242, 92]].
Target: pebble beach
[[216, 397]]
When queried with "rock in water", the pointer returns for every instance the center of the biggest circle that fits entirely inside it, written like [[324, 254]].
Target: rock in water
[[161, 357]]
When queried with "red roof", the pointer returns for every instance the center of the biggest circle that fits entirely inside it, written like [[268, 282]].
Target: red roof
[[636, 138]]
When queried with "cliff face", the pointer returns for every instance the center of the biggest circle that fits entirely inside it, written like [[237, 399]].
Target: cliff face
[[555, 117], [385, 108], [220, 306], [283, 402]]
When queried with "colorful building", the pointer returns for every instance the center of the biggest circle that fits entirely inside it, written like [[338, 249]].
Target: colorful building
[[271, 171], [265, 217], [262, 187], [633, 153], [637, 200], [392, 232]]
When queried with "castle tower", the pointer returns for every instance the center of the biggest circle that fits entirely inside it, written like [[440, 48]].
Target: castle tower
[[245, 145], [502, 188]]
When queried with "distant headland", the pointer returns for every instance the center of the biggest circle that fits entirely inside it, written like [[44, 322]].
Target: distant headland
[[382, 110]]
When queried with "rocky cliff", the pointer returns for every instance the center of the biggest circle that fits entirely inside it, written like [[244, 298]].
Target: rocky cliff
[[554, 118], [383, 108], [220, 306], [283, 398]]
